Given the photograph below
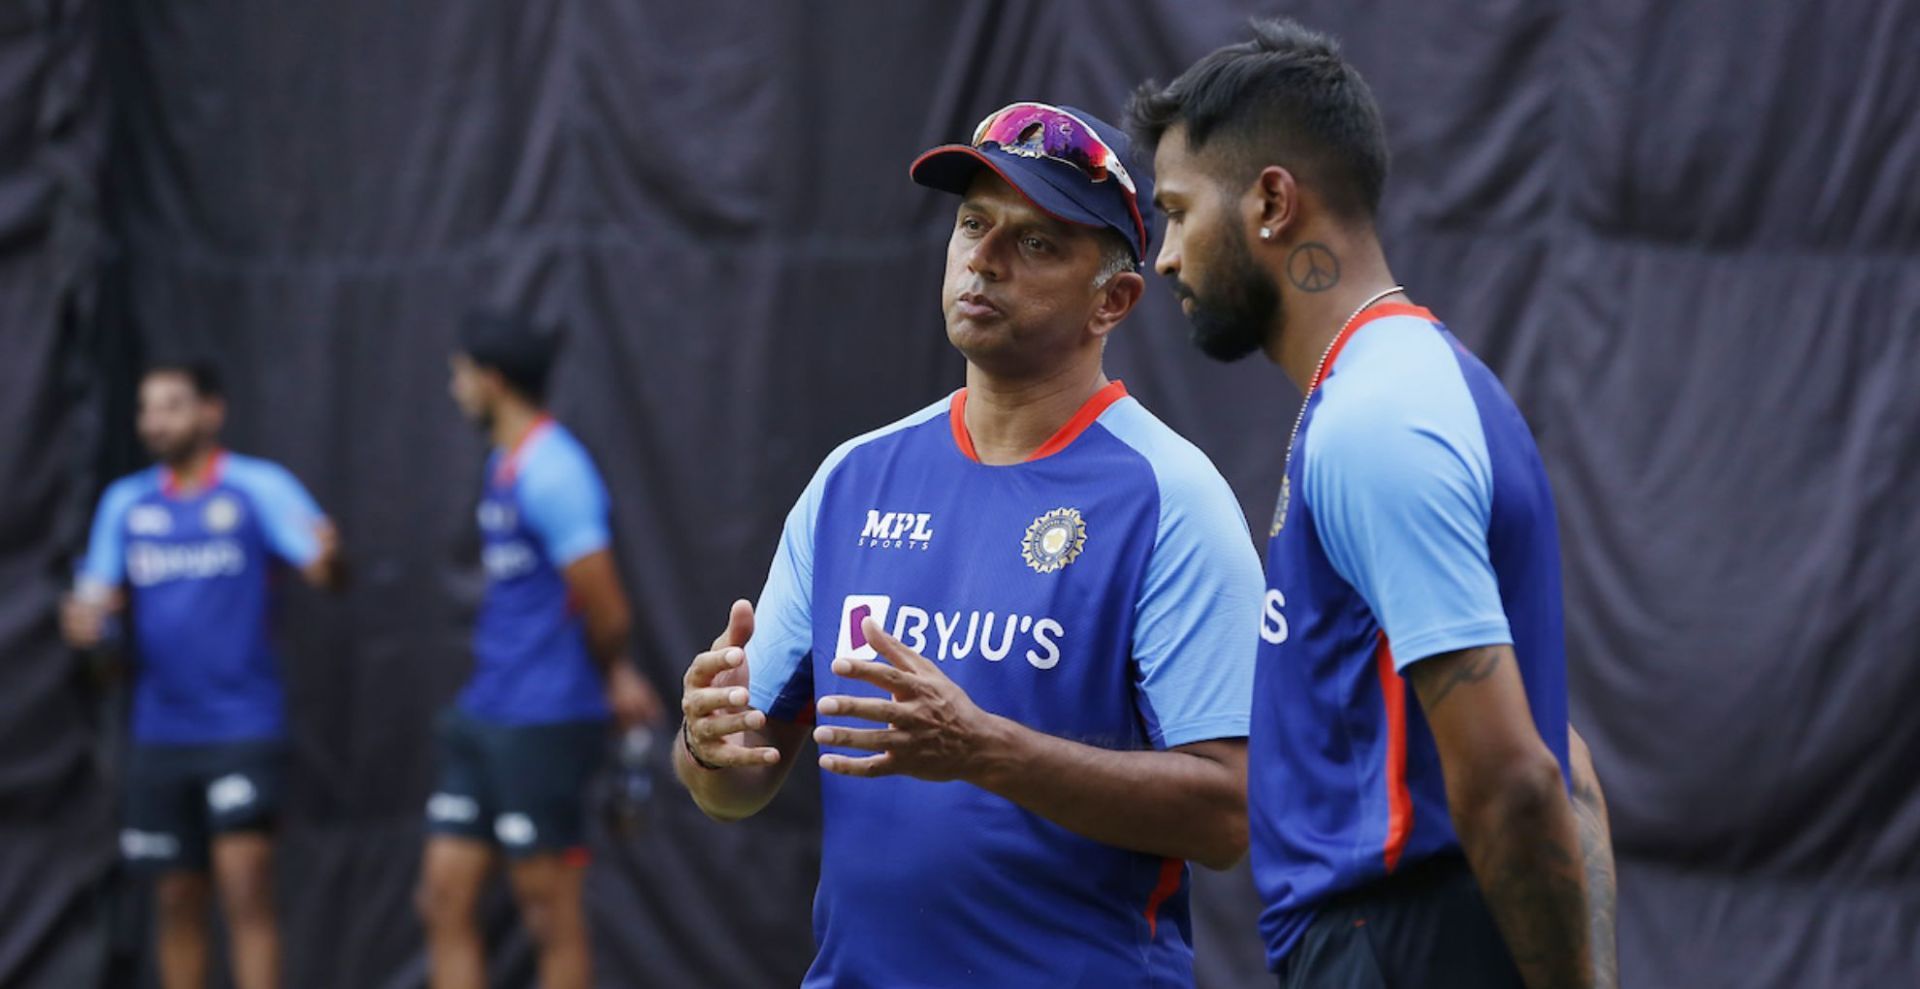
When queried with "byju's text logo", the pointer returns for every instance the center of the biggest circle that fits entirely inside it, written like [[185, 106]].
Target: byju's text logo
[[950, 636], [897, 530], [151, 563]]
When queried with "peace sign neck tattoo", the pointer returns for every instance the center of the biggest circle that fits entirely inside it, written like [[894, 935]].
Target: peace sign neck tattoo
[[1313, 267]]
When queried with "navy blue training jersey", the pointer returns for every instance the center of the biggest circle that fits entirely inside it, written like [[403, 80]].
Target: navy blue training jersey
[[1104, 591], [543, 508], [1415, 520], [198, 568]]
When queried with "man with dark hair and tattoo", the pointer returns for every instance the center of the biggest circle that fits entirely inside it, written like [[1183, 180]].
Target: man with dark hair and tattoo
[[1430, 843]]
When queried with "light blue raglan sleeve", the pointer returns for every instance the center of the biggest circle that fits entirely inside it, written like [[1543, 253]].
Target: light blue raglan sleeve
[[105, 565], [780, 674], [287, 513], [564, 501], [1196, 624], [1401, 487]]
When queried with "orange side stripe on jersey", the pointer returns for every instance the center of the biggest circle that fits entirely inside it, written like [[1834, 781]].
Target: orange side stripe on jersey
[[1393, 692], [1171, 871]]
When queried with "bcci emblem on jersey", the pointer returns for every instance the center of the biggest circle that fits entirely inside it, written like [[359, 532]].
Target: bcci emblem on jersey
[[1054, 540], [221, 514], [1280, 508]]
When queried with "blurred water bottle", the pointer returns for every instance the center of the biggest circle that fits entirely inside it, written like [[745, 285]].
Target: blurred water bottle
[[633, 786]]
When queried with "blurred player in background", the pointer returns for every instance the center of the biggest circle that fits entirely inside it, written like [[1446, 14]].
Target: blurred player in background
[[1432, 843], [521, 743], [1023, 616], [186, 551]]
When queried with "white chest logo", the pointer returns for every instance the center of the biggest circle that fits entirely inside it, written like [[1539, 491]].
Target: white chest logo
[[897, 530], [149, 520], [497, 516]]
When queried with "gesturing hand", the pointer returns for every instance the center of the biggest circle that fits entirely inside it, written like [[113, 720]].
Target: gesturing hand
[[934, 731], [715, 702]]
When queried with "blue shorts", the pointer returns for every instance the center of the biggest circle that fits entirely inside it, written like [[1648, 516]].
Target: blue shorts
[[523, 787], [179, 797]]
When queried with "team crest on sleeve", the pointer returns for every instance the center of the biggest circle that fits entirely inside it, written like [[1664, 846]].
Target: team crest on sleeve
[[221, 514], [1280, 508], [1054, 540]]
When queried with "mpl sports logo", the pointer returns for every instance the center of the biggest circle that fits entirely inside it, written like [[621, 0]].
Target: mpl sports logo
[[948, 636], [897, 530]]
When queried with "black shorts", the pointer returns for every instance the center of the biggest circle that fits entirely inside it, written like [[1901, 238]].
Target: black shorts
[[180, 796], [1426, 926], [521, 786]]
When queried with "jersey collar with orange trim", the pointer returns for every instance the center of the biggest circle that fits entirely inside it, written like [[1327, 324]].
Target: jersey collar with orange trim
[[172, 486], [1088, 413]]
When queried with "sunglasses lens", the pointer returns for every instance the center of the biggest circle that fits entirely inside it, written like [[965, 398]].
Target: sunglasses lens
[[1039, 131]]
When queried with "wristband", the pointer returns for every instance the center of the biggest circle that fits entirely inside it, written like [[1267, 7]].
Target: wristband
[[686, 742]]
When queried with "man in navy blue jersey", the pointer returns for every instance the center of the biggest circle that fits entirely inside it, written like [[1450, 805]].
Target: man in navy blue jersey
[[190, 550], [550, 665], [1022, 618], [1431, 842]]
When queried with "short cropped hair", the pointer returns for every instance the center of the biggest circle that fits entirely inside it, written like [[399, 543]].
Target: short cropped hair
[[201, 373], [1287, 97], [521, 350]]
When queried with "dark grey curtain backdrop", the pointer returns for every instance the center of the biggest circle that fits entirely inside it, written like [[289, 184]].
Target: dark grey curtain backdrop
[[1687, 235]]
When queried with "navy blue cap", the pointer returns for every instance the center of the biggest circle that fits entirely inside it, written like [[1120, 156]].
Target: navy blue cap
[[1057, 188]]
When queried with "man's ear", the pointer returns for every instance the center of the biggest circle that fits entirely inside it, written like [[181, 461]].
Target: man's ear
[[1117, 298], [1273, 203]]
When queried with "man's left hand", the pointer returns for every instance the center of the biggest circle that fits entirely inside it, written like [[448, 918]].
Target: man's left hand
[[934, 731]]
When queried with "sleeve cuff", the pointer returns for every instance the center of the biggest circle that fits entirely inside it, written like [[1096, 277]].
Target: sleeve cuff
[[570, 553], [93, 584], [1421, 645], [1202, 730]]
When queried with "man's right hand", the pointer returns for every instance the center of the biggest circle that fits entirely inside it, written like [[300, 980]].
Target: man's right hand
[[83, 618], [715, 701]]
